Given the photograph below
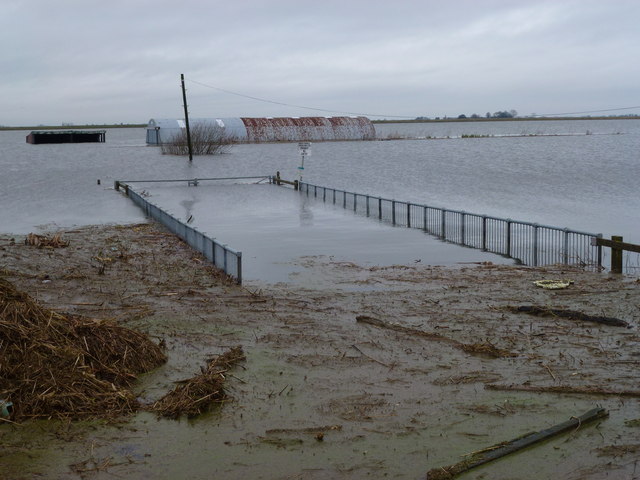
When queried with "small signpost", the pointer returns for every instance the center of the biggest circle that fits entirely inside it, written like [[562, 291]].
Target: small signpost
[[305, 151]]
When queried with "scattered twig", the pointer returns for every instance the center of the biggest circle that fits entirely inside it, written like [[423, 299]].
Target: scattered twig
[[371, 358], [550, 372]]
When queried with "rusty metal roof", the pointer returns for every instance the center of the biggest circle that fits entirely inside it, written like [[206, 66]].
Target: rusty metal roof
[[277, 129]]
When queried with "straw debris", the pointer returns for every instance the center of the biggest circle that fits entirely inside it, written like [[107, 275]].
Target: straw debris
[[54, 365], [195, 395], [41, 241]]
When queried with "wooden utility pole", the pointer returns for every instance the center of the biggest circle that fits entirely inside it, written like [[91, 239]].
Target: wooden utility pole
[[186, 117]]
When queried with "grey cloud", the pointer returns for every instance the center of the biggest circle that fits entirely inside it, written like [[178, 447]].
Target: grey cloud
[[120, 61]]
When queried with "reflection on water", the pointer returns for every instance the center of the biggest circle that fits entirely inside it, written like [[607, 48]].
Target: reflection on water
[[306, 215], [278, 229], [188, 206]]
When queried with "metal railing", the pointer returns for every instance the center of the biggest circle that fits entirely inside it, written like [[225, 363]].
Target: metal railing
[[194, 182], [220, 255], [528, 243]]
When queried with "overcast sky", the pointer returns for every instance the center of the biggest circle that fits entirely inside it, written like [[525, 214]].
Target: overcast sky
[[116, 61]]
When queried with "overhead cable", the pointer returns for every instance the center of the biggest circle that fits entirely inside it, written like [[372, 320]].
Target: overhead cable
[[296, 106]]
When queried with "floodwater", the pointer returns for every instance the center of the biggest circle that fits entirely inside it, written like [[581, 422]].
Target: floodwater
[[277, 229], [576, 174], [560, 176]]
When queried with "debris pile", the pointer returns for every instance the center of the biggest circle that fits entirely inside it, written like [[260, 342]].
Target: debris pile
[[194, 396], [41, 241], [54, 365]]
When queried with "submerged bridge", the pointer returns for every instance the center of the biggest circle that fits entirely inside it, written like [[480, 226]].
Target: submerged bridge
[[527, 243]]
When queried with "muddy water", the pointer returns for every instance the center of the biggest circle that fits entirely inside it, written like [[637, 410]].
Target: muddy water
[[387, 404], [387, 429]]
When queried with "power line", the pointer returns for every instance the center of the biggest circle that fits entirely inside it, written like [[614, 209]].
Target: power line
[[588, 111], [293, 105], [274, 102]]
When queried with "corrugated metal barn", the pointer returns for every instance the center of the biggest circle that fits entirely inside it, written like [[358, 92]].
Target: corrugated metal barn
[[282, 129]]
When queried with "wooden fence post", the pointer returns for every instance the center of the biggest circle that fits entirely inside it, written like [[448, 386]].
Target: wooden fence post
[[616, 256]]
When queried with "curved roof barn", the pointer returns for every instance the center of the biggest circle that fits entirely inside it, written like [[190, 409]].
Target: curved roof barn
[[268, 129]]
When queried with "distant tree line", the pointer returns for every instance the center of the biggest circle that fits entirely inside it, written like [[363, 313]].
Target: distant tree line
[[498, 114]]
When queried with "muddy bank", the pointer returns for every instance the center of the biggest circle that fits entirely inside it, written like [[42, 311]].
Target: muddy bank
[[322, 395]]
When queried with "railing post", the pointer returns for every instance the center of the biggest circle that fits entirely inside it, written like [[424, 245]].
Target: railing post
[[508, 239], [616, 256], [484, 233], [424, 218], [239, 267], [380, 208], [408, 215], [463, 216], [393, 212], [565, 247], [324, 194], [367, 200], [355, 202], [535, 244], [443, 224], [344, 199]]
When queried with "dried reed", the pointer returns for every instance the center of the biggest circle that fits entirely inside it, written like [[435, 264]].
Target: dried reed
[[41, 241], [67, 366], [196, 395]]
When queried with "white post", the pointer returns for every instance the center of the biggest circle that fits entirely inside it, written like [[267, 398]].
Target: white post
[[305, 151]]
